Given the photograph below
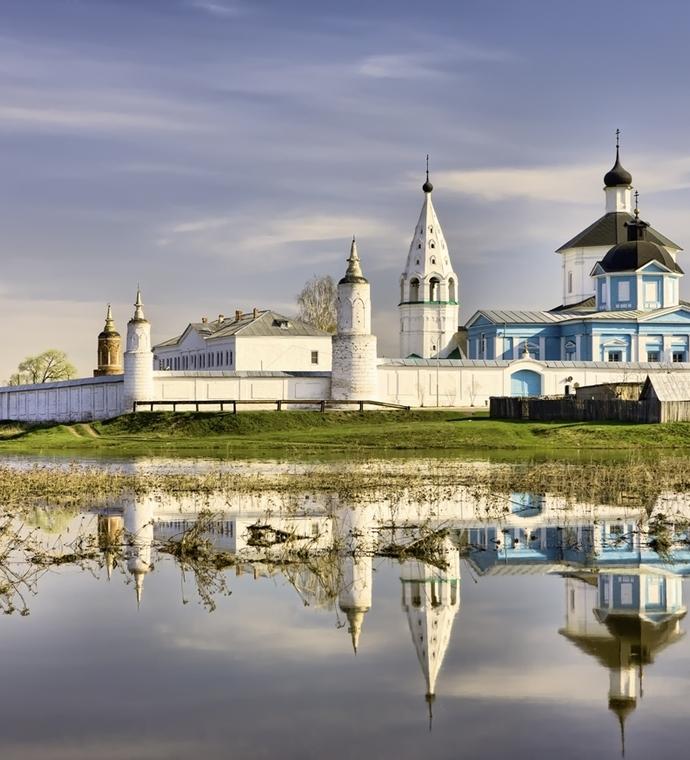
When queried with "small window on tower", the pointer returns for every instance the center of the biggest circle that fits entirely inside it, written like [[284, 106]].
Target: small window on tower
[[433, 260], [570, 282], [419, 245], [314, 357], [432, 245]]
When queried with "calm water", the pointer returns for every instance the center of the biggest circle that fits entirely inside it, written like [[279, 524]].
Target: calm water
[[536, 632]]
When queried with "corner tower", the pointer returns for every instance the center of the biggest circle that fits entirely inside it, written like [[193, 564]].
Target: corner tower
[[353, 375], [138, 385], [428, 288], [109, 349]]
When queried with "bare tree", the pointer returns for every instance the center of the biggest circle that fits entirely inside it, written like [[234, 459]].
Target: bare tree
[[316, 303], [47, 367]]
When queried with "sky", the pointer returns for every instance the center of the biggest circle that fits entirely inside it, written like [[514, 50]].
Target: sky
[[221, 152]]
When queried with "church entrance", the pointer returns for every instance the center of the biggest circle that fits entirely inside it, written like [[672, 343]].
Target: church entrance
[[525, 382]]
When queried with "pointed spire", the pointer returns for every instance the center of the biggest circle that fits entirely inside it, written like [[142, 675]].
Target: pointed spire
[[109, 322], [139, 308], [354, 267], [430, 701], [355, 618], [427, 186], [139, 586]]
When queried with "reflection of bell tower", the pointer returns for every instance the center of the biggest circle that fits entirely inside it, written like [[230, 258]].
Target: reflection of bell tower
[[109, 349], [431, 600], [356, 557], [624, 619], [138, 525]]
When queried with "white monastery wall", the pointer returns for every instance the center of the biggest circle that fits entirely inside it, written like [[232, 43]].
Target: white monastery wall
[[212, 386], [286, 354], [453, 384], [94, 398]]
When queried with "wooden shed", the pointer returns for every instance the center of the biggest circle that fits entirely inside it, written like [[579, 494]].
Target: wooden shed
[[607, 391], [667, 397]]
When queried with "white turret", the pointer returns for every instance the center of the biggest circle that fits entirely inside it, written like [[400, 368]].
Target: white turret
[[356, 565], [138, 381], [353, 375], [138, 530], [428, 289]]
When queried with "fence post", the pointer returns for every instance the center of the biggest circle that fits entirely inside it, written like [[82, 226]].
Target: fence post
[[234, 407], [323, 407]]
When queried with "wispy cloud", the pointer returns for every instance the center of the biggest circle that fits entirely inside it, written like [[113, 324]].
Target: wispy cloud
[[218, 8]]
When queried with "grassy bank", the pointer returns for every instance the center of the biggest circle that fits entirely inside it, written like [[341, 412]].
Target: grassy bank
[[312, 434]]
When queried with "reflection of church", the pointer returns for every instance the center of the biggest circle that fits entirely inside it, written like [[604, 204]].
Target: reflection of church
[[623, 600], [623, 618]]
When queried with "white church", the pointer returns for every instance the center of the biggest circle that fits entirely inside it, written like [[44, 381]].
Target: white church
[[620, 318]]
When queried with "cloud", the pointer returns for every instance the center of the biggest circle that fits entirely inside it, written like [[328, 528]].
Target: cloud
[[563, 183], [217, 8], [218, 235], [394, 66]]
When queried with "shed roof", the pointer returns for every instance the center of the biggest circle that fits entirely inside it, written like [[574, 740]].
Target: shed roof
[[667, 386]]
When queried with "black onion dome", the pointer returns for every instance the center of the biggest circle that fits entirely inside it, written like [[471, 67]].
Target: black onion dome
[[427, 186], [633, 254], [617, 176]]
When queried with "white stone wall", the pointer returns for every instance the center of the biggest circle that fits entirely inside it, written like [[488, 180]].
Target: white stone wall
[[212, 386], [452, 384], [354, 376], [82, 400], [282, 354]]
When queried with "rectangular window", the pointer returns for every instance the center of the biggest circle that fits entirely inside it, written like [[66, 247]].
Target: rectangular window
[[570, 282], [482, 346], [615, 356], [314, 357], [651, 294], [624, 291], [679, 356], [653, 356]]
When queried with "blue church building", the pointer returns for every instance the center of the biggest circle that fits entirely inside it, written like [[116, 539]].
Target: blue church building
[[620, 297]]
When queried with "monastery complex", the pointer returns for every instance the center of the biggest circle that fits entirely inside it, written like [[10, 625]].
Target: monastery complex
[[620, 318]]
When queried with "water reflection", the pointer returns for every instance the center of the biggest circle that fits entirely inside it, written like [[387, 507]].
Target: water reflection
[[623, 589]]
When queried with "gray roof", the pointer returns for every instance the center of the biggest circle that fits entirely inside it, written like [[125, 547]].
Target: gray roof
[[610, 230], [668, 386], [555, 316], [265, 324], [469, 363]]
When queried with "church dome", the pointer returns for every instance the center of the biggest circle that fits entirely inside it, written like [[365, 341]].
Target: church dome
[[633, 254], [617, 176], [427, 186]]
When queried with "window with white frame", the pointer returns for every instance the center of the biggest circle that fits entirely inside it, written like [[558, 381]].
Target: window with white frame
[[624, 291]]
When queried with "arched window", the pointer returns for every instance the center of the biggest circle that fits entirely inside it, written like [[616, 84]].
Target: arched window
[[419, 245], [414, 289], [432, 244], [434, 289], [433, 260], [451, 289]]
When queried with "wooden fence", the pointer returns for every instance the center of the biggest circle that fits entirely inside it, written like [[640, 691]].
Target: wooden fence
[[231, 405], [572, 409]]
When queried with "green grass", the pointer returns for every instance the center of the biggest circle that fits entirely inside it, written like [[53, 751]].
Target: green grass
[[294, 433]]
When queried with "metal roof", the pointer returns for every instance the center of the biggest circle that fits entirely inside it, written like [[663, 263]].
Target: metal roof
[[265, 324], [610, 230]]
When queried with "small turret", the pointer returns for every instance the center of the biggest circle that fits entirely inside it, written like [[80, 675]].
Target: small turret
[[109, 348], [138, 385], [354, 376]]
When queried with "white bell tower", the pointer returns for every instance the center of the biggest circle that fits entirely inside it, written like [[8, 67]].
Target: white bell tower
[[428, 289]]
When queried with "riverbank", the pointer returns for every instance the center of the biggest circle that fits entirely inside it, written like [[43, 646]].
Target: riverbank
[[339, 433]]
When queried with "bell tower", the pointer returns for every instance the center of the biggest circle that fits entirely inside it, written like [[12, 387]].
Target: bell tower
[[428, 305]]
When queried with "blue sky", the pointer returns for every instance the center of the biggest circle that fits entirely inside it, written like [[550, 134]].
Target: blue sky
[[221, 152]]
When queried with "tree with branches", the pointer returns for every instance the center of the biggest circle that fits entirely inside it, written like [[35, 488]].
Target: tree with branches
[[316, 303], [47, 367]]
